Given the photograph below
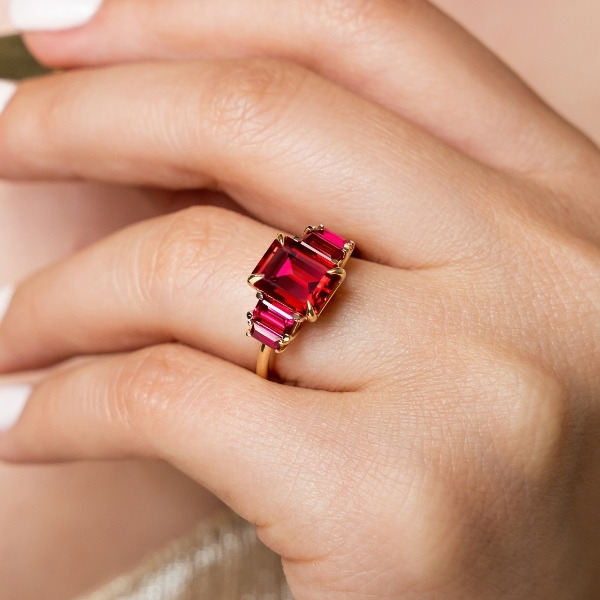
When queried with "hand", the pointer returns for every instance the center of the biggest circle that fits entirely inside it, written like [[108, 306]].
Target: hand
[[84, 502], [441, 439]]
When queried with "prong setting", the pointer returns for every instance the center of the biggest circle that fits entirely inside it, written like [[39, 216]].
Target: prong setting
[[294, 281], [340, 272], [283, 343], [254, 279], [311, 315], [348, 249]]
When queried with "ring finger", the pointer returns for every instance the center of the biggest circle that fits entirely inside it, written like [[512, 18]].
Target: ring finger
[[182, 277]]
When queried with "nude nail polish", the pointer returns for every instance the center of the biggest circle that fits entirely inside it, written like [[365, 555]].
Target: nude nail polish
[[52, 15], [7, 91], [13, 399], [6, 294]]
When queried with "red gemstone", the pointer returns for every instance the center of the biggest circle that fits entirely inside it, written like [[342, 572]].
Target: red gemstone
[[270, 322], [325, 242], [294, 275]]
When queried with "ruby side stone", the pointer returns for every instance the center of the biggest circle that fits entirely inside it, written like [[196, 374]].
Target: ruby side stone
[[325, 242], [271, 321], [294, 275]]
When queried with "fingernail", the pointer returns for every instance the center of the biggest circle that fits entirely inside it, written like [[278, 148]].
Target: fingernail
[[7, 91], [6, 294], [13, 399], [52, 15]]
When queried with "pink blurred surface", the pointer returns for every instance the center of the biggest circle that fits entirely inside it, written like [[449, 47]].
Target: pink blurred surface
[[40, 223], [4, 22]]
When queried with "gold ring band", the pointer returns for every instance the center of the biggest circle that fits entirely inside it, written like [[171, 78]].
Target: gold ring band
[[265, 360]]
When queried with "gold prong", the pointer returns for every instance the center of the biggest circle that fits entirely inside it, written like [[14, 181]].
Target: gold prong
[[254, 279], [249, 316], [260, 295], [337, 271], [309, 229], [297, 238], [281, 238], [283, 343], [340, 272], [299, 319], [348, 249], [248, 334], [310, 313]]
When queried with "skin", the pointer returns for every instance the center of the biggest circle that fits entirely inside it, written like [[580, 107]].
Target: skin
[[95, 514], [530, 384]]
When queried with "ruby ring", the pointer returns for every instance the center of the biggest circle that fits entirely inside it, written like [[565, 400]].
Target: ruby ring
[[295, 280]]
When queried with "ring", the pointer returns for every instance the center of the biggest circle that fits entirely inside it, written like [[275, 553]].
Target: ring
[[295, 280]]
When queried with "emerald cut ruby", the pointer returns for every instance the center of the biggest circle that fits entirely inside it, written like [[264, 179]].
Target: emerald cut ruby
[[295, 276], [327, 243]]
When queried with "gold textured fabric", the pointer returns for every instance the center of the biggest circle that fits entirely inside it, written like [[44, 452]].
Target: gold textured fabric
[[222, 559], [15, 60]]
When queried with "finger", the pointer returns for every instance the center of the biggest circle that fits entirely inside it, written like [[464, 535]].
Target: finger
[[264, 132], [408, 56], [240, 436], [183, 277]]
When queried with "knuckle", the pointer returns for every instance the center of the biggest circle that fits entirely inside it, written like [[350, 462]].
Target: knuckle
[[248, 98], [146, 387], [541, 414], [512, 408], [181, 256], [531, 417]]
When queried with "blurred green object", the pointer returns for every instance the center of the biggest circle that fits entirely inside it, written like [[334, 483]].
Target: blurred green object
[[15, 60]]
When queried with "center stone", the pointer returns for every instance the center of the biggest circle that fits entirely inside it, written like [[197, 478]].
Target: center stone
[[295, 276]]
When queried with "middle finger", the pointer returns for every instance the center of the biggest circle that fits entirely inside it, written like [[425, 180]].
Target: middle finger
[[290, 146]]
